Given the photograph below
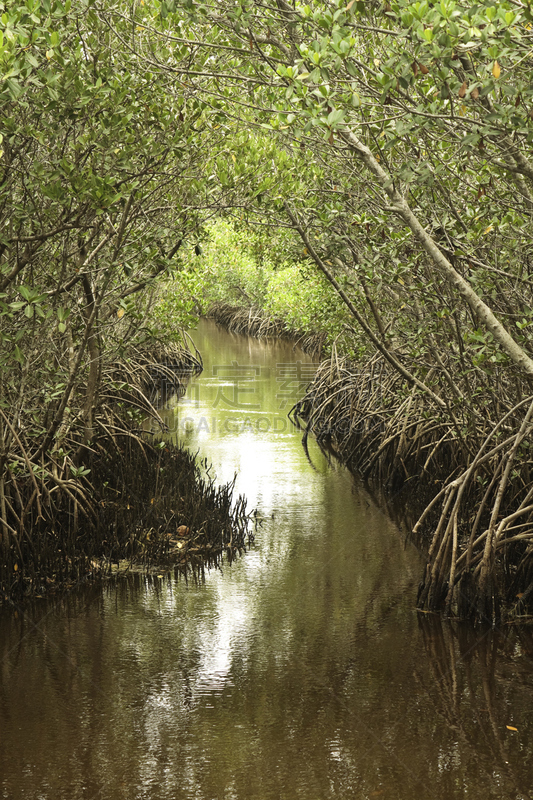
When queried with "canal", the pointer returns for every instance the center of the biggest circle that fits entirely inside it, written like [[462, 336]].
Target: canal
[[301, 671]]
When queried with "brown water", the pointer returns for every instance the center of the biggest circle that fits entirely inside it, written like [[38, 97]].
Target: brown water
[[300, 671]]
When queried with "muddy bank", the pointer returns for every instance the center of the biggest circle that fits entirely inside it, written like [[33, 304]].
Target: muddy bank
[[253, 321]]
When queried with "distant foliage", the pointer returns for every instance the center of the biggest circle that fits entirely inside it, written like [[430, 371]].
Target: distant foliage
[[246, 268]]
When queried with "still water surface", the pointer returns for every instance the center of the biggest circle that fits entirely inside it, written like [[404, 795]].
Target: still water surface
[[302, 670]]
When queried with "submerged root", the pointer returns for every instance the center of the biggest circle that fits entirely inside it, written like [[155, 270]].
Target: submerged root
[[153, 374], [465, 478], [255, 322], [71, 512], [145, 503]]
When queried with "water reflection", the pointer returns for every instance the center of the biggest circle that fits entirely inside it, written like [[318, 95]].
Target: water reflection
[[479, 681], [301, 670]]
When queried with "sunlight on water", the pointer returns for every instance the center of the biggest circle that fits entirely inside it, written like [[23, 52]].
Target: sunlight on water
[[299, 672]]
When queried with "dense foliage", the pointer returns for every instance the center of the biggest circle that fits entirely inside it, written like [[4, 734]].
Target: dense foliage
[[391, 142], [244, 268], [404, 136], [99, 179]]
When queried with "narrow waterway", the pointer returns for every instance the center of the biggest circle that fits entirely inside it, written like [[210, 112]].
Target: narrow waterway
[[300, 671]]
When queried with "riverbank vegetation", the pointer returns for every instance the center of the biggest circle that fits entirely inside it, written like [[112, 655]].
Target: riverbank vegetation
[[253, 283], [90, 179], [375, 155]]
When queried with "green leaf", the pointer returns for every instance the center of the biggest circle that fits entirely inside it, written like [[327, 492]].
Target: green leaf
[[335, 116], [17, 354], [14, 88]]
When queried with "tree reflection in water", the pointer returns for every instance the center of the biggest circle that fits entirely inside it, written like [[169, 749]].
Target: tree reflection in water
[[478, 675]]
